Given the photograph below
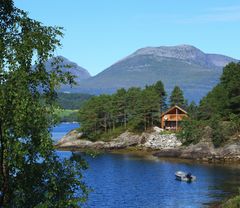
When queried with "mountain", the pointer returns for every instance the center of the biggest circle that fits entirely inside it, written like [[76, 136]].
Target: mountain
[[80, 73], [193, 70]]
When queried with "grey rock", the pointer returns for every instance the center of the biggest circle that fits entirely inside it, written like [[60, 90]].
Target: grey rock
[[70, 136], [126, 139], [155, 140]]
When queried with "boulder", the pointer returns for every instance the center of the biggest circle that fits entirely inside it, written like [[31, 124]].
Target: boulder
[[76, 143], [124, 140], [198, 151], [230, 151], [70, 136], [157, 129]]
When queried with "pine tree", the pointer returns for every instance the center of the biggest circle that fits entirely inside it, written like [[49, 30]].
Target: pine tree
[[121, 106], [162, 97], [177, 97], [230, 80]]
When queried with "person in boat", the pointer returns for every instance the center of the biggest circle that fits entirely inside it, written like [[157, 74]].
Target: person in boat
[[189, 176]]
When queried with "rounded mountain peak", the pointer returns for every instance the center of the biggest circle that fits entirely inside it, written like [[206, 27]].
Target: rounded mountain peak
[[186, 52]]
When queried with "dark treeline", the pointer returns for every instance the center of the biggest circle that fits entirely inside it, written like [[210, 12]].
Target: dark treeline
[[72, 101], [219, 109], [134, 109]]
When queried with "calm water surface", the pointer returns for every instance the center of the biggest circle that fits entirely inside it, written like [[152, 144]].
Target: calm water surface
[[126, 181]]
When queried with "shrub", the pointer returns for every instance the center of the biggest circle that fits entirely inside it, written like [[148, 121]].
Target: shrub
[[232, 203], [191, 131], [221, 130]]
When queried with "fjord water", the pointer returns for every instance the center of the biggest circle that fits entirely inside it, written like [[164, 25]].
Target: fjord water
[[127, 181]]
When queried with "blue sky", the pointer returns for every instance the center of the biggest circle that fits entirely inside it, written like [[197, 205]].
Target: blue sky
[[98, 33]]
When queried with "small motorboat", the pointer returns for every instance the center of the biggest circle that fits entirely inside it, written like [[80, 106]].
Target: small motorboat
[[182, 176]]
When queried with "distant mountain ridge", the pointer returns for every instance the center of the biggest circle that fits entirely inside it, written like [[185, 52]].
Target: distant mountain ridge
[[75, 69], [193, 70], [187, 53]]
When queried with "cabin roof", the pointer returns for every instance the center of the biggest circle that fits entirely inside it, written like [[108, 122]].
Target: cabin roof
[[170, 109]]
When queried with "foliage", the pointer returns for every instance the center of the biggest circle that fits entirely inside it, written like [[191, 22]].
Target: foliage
[[230, 79], [224, 99], [234, 123], [57, 187], [214, 103], [65, 115], [220, 129], [223, 130], [177, 98], [31, 175], [136, 109], [72, 101], [112, 134], [193, 110], [191, 131], [219, 109], [159, 87], [233, 202]]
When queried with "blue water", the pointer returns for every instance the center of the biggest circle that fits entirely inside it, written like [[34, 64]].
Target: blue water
[[126, 181], [62, 129]]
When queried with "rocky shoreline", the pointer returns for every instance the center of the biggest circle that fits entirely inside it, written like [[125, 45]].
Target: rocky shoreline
[[161, 145]]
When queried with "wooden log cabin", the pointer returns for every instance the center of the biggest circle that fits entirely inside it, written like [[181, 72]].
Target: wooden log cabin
[[172, 118]]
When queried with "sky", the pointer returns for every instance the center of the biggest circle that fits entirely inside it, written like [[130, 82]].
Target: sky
[[99, 33]]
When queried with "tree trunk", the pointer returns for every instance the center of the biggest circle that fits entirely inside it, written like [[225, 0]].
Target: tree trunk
[[113, 125], [125, 120], [160, 113], [105, 124], [152, 120], [4, 172], [145, 123]]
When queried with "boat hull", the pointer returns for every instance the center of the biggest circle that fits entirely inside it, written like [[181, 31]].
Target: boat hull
[[182, 176]]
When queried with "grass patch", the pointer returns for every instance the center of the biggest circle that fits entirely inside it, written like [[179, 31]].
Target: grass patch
[[67, 115], [112, 134]]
